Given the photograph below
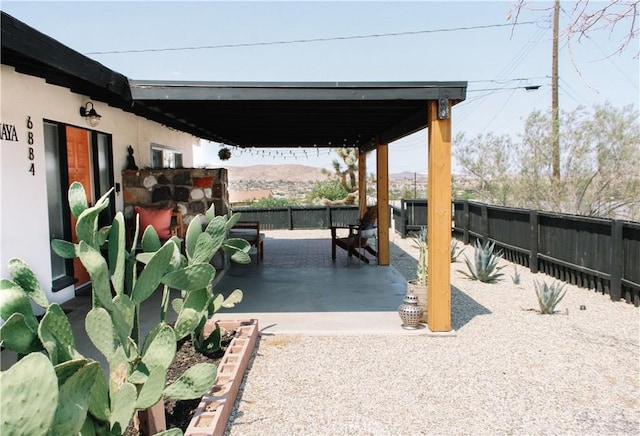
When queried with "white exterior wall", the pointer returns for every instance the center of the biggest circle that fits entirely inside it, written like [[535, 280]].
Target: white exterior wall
[[24, 229]]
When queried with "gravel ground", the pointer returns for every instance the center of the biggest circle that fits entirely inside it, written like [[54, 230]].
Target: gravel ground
[[508, 370]]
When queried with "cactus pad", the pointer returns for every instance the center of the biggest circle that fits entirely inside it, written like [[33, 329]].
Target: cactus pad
[[191, 278], [151, 391], [161, 350], [73, 402], [13, 299], [101, 331], [30, 383], [16, 335], [123, 404], [57, 336], [24, 277], [152, 274], [194, 383]]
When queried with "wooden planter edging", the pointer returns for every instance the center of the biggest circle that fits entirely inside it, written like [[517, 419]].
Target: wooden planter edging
[[212, 414]]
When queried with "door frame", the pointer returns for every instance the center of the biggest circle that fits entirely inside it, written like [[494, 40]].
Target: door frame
[[107, 215]]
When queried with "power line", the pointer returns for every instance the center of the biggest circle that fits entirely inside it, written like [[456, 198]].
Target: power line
[[505, 81], [304, 41], [471, 104]]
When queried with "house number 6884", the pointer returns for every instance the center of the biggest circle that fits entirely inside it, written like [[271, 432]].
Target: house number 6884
[[31, 154]]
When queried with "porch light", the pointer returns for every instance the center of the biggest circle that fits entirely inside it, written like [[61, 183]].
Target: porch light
[[90, 115], [443, 108]]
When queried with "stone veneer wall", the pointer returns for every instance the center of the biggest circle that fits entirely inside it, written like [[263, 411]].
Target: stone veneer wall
[[193, 190]]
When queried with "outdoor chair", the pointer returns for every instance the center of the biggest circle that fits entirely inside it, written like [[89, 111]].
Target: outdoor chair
[[250, 231], [357, 242]]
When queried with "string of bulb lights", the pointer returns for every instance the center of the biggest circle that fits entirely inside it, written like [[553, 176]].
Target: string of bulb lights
[[302, 153]]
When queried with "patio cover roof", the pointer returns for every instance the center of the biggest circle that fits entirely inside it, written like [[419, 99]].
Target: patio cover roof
[[302, 114]]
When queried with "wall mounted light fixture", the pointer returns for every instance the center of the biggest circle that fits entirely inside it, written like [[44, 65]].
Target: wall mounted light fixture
[[443, 108], [90, 115]]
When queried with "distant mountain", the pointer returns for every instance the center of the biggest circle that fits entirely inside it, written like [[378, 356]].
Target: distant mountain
[[293, 173], [407, 175], [275, 173]]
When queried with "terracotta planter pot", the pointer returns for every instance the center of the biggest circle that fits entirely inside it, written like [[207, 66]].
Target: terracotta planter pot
[[419, 291], [213, 412]]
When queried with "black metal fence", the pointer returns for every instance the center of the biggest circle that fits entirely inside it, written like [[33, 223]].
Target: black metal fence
[[588, 252]]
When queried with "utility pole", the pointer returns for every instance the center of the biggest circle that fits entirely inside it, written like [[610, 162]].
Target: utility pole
[[555, 116]]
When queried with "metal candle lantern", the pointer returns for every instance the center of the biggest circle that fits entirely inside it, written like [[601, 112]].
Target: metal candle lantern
[[410, 312]]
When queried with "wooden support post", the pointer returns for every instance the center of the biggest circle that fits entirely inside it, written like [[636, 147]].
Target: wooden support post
[[382, 162], [439, 221], [362, 183]]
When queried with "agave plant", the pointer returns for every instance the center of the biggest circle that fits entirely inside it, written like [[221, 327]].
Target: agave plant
[[515, 278], [549, 296], [485, 266], [455, 250]]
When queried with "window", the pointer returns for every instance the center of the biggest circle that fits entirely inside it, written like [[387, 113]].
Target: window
[[165, 157], [60, 268]]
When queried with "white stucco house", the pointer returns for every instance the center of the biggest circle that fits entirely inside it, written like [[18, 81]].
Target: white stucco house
[[46, 143]]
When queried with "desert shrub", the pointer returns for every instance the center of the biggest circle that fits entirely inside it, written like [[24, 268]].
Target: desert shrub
[[330, 190], [549, 296], [456, 251], [485, 265]]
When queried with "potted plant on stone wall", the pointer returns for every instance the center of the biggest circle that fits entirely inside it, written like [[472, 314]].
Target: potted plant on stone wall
[[418, 286]]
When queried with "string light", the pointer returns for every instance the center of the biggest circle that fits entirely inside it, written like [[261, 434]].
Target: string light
[[282, 154]]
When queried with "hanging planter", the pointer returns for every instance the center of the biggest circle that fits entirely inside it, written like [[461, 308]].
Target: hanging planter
[[224, 154]]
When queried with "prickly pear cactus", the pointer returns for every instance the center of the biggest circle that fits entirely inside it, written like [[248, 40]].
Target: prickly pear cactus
[[72, 395], [198, 302]]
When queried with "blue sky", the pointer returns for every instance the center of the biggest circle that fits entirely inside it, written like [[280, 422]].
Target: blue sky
[[496, 61]]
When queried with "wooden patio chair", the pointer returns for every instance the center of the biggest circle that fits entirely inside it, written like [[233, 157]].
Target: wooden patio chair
[[356, 243]]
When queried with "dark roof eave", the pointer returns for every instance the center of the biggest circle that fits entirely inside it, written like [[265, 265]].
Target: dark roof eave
[[308, 91], [34, 53]]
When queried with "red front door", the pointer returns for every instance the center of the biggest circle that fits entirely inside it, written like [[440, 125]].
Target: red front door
[[79, 168]]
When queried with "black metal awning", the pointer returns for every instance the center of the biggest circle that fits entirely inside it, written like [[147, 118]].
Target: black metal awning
[[299, 114]]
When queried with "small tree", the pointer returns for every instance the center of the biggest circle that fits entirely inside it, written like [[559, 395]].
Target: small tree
[[585, 19], [330, 190], [347, 176], [598, 177], [489, 159]]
